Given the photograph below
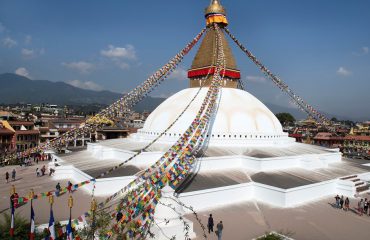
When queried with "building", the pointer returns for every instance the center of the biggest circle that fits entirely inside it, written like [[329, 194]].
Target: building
[[357, 146], [6, 138], [63, 125], [329, 140], [26, 135]]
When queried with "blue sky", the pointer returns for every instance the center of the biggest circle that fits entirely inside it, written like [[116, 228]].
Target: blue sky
[[319, 47]]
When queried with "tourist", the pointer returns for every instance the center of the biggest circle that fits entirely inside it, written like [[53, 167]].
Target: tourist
[[210, 223], [360, 207], [13, 174], [69, 186], [341, 201], [7, 177], [337, 199], [346, 204], [37, 172], [51, 171], [366, 206], [43, 170], [58, 189], [220, 228]]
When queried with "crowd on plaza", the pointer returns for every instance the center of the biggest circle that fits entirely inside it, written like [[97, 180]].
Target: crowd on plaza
[[29, 161], [363, 206]]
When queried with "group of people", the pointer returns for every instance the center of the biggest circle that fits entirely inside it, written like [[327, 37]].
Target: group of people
[[363, 206], [7, 175], [219, 227], [58, 188], [41, 172], [34, 157]]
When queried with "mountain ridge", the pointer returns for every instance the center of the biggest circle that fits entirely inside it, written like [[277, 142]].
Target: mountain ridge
[[16, 89]]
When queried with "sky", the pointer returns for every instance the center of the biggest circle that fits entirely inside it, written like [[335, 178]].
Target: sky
[[320, 48]]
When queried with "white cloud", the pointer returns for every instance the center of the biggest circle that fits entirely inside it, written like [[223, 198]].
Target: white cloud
[[89, 85], [9, 43], [31, 53], [2, 27], [28, 53], [81, 66], [127, 52], [364, 51], [22, 72], [179, 74], [343, 72], [256, 79], [28, 39], [123, 65]]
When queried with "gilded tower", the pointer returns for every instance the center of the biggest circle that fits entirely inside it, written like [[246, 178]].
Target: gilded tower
[[203, 66]]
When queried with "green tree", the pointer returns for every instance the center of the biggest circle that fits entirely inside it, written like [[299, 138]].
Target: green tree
[[21, 229], [285, 118]]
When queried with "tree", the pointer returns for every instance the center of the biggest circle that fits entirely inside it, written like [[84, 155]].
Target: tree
[[334, 119], [285, 118]]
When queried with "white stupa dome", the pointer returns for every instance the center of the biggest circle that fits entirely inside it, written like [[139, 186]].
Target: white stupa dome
[[240, 116]]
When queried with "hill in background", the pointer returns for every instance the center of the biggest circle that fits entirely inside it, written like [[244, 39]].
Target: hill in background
[[16, 89]]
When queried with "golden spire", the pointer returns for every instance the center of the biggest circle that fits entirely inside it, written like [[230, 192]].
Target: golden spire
[[215, 7], [203, 66], [215, 13]]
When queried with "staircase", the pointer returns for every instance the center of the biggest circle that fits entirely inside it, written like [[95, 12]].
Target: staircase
[[353, 184]]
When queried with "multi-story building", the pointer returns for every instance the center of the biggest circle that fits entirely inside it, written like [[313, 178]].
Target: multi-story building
[[6, 138], [357, 146], [26, 135], [63, 125]]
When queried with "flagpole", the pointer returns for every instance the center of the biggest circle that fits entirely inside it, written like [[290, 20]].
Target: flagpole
[[32, 220], [93, 209], [12, 196], [69, 226], [51, 221]]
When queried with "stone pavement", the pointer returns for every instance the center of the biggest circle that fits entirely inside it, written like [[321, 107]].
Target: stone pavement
[[26, 179], [317, 220]]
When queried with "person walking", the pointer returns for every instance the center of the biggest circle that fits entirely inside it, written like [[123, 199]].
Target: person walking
[[13, 174], [341, 202], [43, 170], [361, 207], [57, 188], [346, 204], [210, 223], [366, 206], [7, 177], [337, 198], [220, 228], [69, 187]]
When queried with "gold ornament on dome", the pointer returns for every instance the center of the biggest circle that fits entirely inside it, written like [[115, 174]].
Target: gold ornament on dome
[[215, 7]]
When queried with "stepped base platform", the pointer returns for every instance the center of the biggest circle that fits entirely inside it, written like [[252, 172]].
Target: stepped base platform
[[284, 176]]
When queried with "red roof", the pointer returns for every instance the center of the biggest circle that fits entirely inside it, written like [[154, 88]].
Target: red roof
[[25, 123], [326, 136], [24, 132], [5, 131], [295, 135], [357, 138]]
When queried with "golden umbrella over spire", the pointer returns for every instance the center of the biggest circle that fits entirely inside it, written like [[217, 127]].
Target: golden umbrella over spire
[[215, 7], [215, 13]]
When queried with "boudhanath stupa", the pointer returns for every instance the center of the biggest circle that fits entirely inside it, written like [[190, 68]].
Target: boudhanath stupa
[[245, 154]]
